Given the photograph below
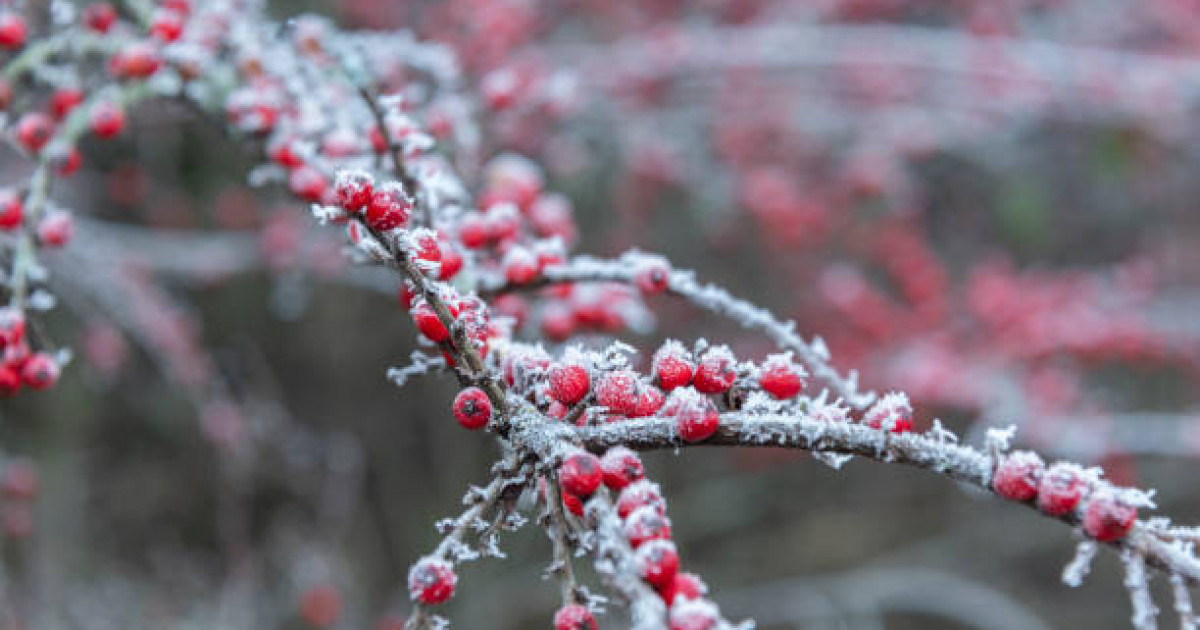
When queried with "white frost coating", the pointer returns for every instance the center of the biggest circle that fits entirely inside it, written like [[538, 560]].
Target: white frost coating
[[421, 364], [890, 409], [616, 563], [1183, 603], [1080, 565], [1145, 613]]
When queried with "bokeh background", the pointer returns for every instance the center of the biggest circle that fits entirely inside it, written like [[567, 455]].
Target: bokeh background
[[989, 205]]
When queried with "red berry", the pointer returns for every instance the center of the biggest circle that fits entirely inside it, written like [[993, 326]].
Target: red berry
[[166, 25], [621, 467], [34, 130], [520, 265], [320, 606], [389, 207], [580, 474], [653, 275], [716, 372], [138, 60], [20, 480], [99, 16], [694, 614], [1061, 489], [574, 617], [11, 210], [66, 161], [428, 249], [1108, 518], [781, 378], [282, 151], [40, 371], [353, 189], [649, 401], [63, 100], [645, 524], [557, 323], [569, 382], [573, 503], [1018, 476], [641, 493], [618, 391], [307, 183], [672, 366], [12, 30], [473, 231], [696, 417], [107, 119], [892, 411], [428, 323], [431, 581], [12, 326], [452, 261], [472, 408], [684, 586], [55, 229], [658, 562], [10, 380]]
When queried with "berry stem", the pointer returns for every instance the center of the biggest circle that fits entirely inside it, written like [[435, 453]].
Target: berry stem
[[558, 528]]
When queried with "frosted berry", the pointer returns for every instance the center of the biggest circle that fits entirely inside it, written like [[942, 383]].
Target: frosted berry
[[672, 366], [55, 229], [431, 581], [695, 614], [1108, 518], [652, 275], [650, 401], [452, 261], [658, 562], [428, 249], [353, 189], [99, 16], [283, 152], [642, 493], [893, 411], [473, 231], [618, 391], [66, 161], [12, 326], [569, 382], [580, 474], [520, 265], [40, 371], [63, 100], [34, 130], [574, 617], [106, 120], [684, 586], [645, 524], [138, 60], [13, 30], [428, 323], [166, 25], [389, 207], [1061, 489], [11, 210], [780, 377], [696, 417], [716, 372], [1018, 476], [472, 408], [621, 467], [307, 183]]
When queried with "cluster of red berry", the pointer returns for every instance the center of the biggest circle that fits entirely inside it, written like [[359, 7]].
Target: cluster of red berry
[[1064, 490]]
